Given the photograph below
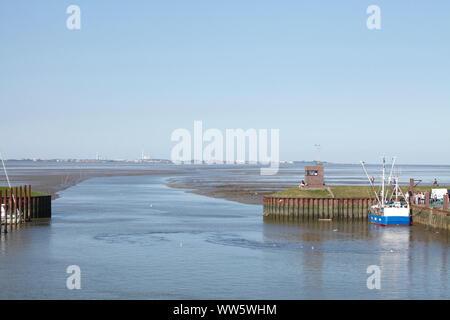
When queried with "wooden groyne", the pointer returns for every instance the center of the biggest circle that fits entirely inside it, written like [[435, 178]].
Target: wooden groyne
[[18, 206], [317, 208]]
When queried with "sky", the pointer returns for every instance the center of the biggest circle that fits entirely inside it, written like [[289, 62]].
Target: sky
[[138, 70]]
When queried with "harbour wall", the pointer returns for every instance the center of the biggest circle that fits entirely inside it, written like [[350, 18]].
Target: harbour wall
[[430, 217], [286, 209], [317, 208], [41, 207]]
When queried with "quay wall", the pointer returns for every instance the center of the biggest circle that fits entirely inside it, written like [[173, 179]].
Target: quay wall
[[317, 208], [41, 207], [282, 208], [430, 217]]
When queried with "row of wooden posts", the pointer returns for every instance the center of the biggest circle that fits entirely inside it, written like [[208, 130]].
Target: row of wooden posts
[[16, 204]]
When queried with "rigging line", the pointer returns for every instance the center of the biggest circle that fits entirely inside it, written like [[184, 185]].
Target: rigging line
[[370, 181], [7, 177]]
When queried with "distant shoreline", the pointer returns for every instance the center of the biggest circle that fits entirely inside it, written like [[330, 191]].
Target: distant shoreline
[[54, 180], [228, 183]]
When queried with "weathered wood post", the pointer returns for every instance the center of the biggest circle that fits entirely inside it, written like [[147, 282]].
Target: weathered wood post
[[334, 211], [445, 204], [15, 206], [29, 202], [301, 207], [360, 208], [334, 208], [328, 215], [20, 204], [427, 199], [316, 208], [352, 208], [290, 208], [5, 225], [297, 207], [25, 206], [411, 186], [320, 205], [10, 208]]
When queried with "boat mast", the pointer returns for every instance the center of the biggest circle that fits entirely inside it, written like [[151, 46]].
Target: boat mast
[[391, 177]]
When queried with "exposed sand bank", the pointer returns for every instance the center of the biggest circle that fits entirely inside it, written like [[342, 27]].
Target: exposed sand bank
[[247, 193], [210, 181], [52, 181]]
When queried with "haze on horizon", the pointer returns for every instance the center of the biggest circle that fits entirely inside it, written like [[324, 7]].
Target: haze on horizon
[[137, 71]]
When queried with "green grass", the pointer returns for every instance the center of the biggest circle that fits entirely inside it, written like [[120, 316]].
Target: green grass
[[354, 192], [33, 193], [297, 193]]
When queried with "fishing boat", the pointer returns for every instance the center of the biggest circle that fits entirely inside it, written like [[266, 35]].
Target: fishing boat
[[392, 208]]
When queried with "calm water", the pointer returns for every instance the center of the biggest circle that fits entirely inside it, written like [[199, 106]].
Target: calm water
[[134, 238]]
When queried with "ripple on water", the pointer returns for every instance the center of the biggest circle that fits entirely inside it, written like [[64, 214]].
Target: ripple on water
[[356, 247], [132, 238]]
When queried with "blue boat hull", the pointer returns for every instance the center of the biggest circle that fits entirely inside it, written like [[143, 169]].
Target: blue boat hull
[[389, 221]]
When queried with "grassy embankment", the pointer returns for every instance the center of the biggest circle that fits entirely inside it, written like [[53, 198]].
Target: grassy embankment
[[351, 192], [33, 193]]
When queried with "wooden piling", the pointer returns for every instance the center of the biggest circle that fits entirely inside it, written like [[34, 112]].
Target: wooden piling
[[25, 206], [10, 208], [20, 204], [445, 204], [15, 206], [361, 208], [5, 225], [29, 202]]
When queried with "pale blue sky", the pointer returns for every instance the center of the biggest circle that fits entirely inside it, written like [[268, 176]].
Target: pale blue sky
[[137, 70]]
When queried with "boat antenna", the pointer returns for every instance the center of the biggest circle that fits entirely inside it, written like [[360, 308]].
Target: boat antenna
[[370, 181]]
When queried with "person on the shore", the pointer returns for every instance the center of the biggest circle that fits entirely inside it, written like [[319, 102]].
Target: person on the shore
[[435, 182], [435, 198], [372, 179], [302, 184]]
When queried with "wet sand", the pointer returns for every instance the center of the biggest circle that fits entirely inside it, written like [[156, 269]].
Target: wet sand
[[55, 178], [242, 193]]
